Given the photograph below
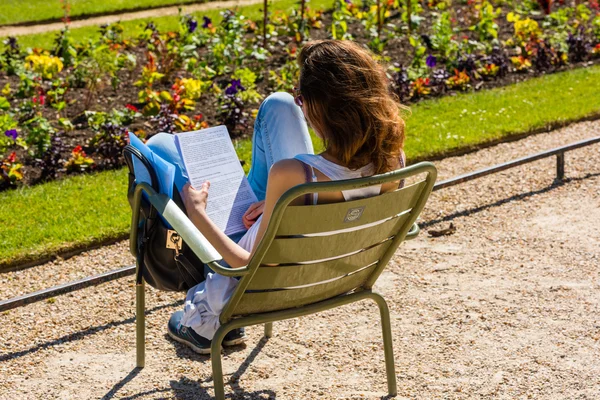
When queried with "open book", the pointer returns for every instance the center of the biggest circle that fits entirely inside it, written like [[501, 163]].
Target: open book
[[208, 155]]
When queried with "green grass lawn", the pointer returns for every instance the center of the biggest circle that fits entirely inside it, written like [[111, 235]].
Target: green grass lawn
[[16, 11], [47, 218], [168, 23]]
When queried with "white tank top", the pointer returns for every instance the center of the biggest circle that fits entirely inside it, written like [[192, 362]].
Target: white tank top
[[332, 171]]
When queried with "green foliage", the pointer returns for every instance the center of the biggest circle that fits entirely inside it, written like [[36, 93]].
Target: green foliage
[[486, 28], [248, 80], [341, 16], [79, 161], [43, 64], [434, 127], [7, 123], [101, 67], [39, 135], [442, 36]]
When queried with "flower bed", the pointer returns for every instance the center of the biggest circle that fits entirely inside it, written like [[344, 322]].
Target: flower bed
[[69, 109]]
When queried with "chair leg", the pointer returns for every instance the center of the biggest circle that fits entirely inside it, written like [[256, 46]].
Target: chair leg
[[140, 324], [388, 348], [215, 358], [268, 329]]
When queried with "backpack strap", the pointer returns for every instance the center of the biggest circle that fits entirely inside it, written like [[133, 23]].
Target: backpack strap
[[402, 165], [188, 271], [308, 197]]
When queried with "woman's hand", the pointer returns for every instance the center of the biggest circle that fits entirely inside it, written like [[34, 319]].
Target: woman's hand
[[195, 200], [252, 213]]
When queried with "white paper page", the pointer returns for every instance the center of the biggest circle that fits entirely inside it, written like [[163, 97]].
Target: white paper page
[[209, 155]]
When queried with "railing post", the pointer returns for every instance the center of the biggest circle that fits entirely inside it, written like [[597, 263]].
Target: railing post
[[560, 166]]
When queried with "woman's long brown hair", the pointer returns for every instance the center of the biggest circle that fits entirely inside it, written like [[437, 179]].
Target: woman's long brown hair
[[348, 102]]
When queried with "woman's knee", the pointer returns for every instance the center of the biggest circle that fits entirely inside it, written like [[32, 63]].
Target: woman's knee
[[277, 103]]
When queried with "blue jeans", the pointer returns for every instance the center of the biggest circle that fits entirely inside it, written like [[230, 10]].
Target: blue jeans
[[280, 132]]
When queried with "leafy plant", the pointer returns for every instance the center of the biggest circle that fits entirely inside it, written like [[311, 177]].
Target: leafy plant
[[525, 29], [285, 79], [51, 162], [8, 132], [10, 59], [79, 161], [544, 56], [56, 95], [102, 66], [459, 81], [486, 27], [420, 88], [400, 82], [191, 88], [64, 47], [231, 106], [10, 171], [39, 134], [108, 143], [165, 119], [46, 65], [442, 39], [247, 79], [579, 46], [340, 18], [28, 84], [521, 63]]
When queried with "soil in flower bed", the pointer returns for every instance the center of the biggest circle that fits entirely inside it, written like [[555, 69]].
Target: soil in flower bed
[[208, 109]]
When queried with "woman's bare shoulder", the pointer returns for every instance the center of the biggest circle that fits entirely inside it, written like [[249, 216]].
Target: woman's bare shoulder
[[284, 174], [287, 168]]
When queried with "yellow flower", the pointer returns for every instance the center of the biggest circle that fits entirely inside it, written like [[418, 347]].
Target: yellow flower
[[45, 65]]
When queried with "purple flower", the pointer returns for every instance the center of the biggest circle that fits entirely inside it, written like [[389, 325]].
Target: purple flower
[[12, 133], [431, 61], [192, 25], [207, 22], [349, 2], [234, 87]]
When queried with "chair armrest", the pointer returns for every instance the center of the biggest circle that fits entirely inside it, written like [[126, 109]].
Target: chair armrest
[[182, 225], [413, 232]]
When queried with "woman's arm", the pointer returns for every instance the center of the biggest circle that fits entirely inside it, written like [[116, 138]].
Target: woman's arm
[[283, 175], [195, 204]]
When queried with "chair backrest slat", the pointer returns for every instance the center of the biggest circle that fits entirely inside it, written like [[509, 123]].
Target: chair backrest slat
[[331, 217], [314, 248], [270, 300], [294, 275], [311, 253]]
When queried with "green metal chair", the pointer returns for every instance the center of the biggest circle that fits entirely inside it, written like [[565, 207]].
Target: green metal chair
[[326, 256]]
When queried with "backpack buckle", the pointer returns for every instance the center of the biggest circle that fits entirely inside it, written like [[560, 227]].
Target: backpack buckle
[[174, 241]]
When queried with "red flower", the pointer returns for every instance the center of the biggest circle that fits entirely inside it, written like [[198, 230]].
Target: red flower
[[41, 99], [132, 107], [78, 150], [12, 157], [198, 117]]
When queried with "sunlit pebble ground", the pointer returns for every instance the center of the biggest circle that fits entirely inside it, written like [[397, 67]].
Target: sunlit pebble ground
[[507, 307]]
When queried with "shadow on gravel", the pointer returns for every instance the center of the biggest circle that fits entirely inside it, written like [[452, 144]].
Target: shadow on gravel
[[193, 388], [186, 388], [498, 203], [119, 385], [82, 334]]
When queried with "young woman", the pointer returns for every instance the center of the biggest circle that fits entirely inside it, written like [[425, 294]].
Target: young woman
[[343, 94]]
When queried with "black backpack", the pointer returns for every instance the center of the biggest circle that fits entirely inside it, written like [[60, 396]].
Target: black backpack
[[164, 259]]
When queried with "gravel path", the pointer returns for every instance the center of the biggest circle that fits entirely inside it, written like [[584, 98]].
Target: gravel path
[[507, 307], [126, 16]]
